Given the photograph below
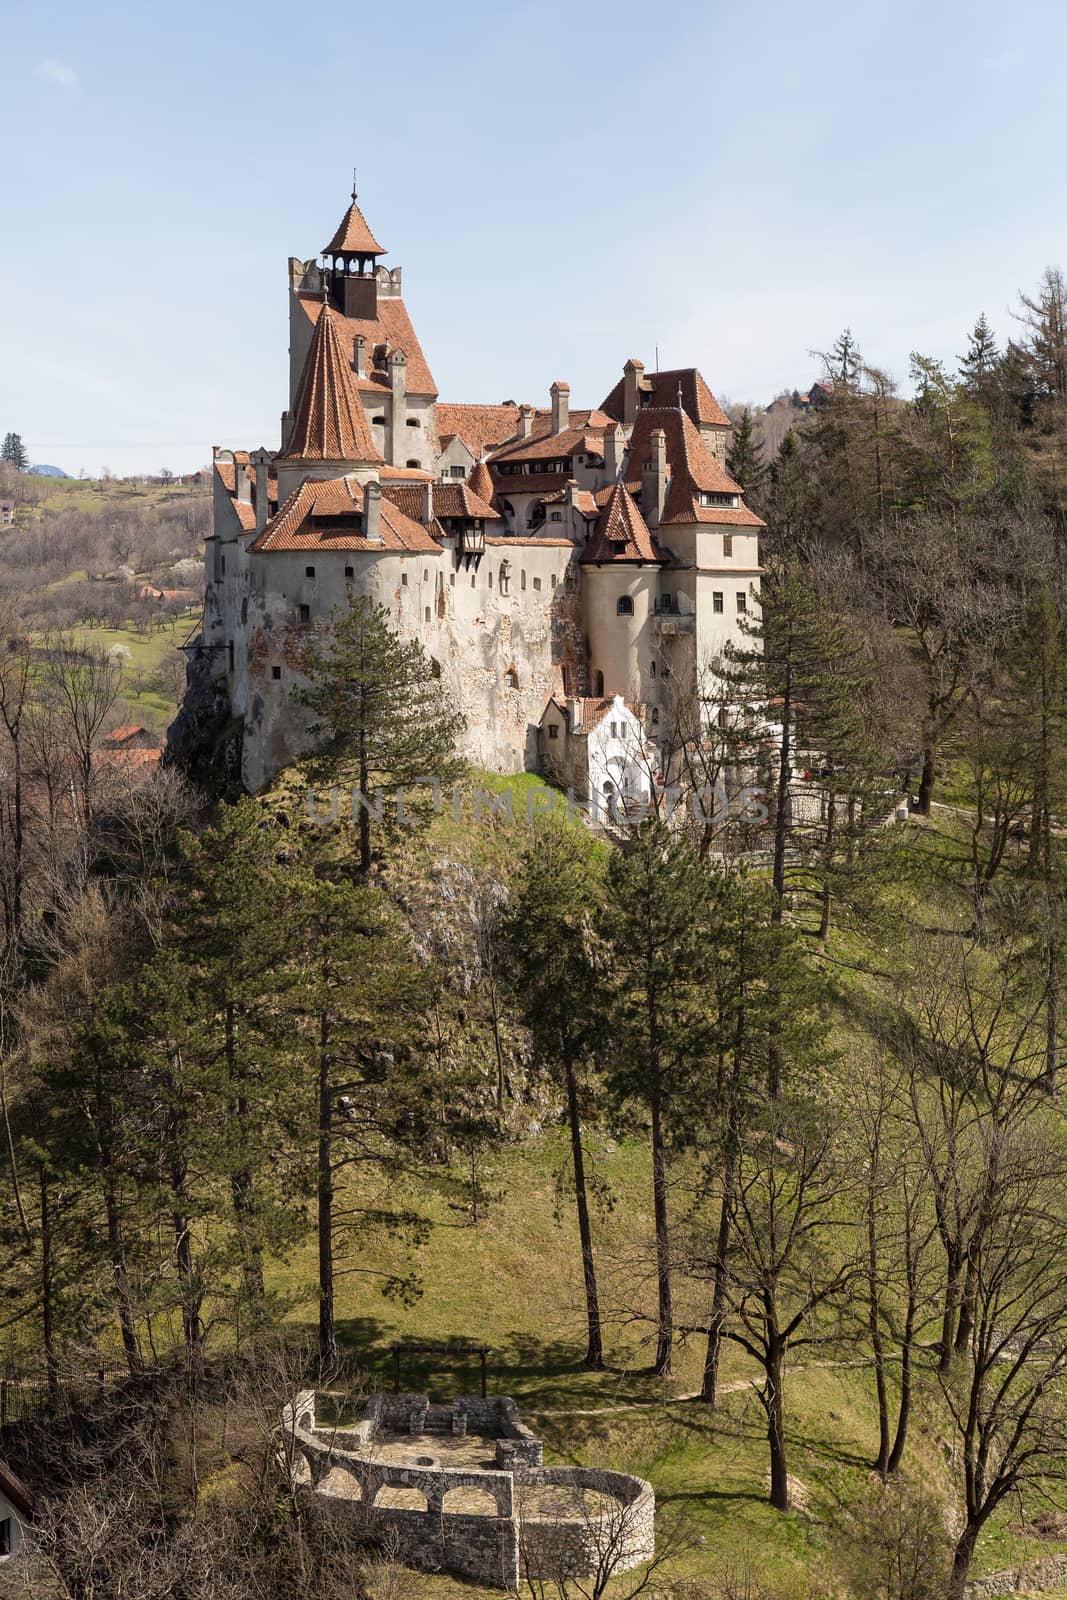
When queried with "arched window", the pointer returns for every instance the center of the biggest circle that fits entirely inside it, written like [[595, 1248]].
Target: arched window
[[624, 606], [412, 463], [511, 678]]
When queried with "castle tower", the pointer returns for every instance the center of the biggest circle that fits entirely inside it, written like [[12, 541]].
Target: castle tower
[[351, 269], [620, 569], [330, 434]]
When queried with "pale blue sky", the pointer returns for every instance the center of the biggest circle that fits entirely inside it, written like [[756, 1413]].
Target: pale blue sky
[[564, 186]]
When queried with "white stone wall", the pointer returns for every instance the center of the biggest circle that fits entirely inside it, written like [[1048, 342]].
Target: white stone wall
[[7, 1511]]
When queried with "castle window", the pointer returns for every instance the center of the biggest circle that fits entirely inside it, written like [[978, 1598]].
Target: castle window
[[244, 610], [276, 673], [304, 613], [425, 574], [522, 579], [511, 678], [229, 652], [553, 730], [452, 580], [505, 576], [716, 601], [566, 680], [309, 572], [655, 713], [457, 472], [427, 613], [7, 1539], [412, 422], [490, 580], [537, 583], [600, 685], [379, 420], [403, 580], [624, 606], [350, 572], [435, 667], [727, 544], [652, 669], [742, 601], [614, 730], [555, 516], [472, 580], [412, 463]]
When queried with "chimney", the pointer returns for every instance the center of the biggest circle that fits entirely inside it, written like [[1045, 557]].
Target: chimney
[[612, 461], [427, 503], [632, 374], [561, 406], [526, 417], [654, 480], [359, 355], [398, 410], [372, 513], [261, 462], [243, 483]]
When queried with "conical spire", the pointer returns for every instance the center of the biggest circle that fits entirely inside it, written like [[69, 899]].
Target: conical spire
[[621, 533], [481, 483], [329, 423], [353, 237]]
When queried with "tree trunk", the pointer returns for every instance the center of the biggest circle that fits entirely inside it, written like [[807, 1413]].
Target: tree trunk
[[948, 1319], [961, 1562], [710, 1380], [781, 810], [774, 1403], [121, 1276], [364, 808], [665, 1326], [926, 781], [48, 1318], [904, 1411], [594, 1354], [242, 1183], [324, 1194], [874, 1323]]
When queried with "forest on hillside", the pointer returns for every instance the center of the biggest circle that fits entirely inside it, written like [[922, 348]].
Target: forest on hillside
[[260, 1074]]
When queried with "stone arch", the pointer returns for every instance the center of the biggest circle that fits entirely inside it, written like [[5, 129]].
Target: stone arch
[[340, 1484], [400, 1497], [469, 1501]]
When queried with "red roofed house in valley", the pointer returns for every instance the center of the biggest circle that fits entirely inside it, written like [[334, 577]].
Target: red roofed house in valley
[[545, 555]]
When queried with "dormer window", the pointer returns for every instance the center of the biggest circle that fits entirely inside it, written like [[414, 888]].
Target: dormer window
[[710, 497]]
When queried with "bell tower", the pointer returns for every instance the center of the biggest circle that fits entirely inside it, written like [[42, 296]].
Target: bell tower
[[351, 265]]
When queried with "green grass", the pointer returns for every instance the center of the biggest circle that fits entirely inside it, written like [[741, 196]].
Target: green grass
[[142, 686]]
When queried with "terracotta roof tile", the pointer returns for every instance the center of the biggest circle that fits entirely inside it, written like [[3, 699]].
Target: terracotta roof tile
[[390, 330], [584, 432], [481, 482], [520, 542], [530, 483], [329, 422], [480, 427], [458, 498], [322, 515], [621, 533], [353, 235], [662, 387], [692, 467]]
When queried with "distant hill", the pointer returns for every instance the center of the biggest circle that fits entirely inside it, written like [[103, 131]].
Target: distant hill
[[44, 471]]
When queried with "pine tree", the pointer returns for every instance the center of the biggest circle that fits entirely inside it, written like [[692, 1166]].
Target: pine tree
[[744, 458], [978, 368], [655, 921], [380, 713], [13, 452], [554, 971]]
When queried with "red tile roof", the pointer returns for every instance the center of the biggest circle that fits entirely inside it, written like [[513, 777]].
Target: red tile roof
[[662, 389], [481, 482], [458, 498], [353, 235], [130, 730], [621, 533], [531, 542], [692, 466], [390, 330], [405, 474], [529, 483], [480, 427], [584, 432], [585, 714], [329, 421], [304, 521], [15, 1490]]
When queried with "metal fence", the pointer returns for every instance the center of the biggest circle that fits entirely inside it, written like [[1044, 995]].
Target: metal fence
[[24, 1396]]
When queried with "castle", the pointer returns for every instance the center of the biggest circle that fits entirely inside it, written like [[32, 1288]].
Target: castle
[[560, 566]]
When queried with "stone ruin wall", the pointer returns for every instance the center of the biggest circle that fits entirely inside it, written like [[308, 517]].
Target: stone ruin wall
[[482, 1547]]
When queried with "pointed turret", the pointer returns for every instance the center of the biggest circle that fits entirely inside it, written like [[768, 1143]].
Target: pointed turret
[[481, 483], [329, 423], [351, 273]]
